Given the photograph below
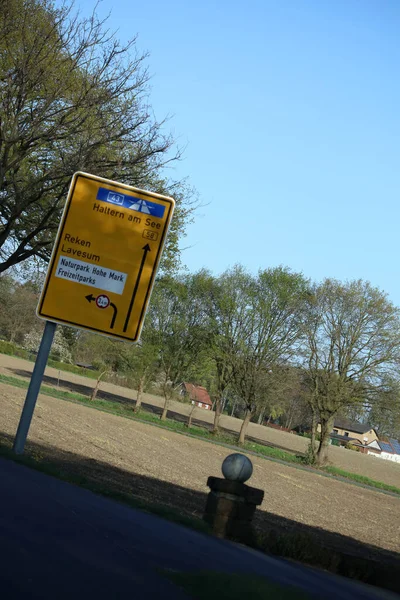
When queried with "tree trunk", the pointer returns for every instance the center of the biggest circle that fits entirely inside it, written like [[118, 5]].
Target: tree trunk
[[138, 404], [166, 404], [95, 390], [96, 387], [189, 423], [326, 429], [289, 417], [245, 424], [314, 424], [165, 410], [261, 417], [218, 411], [233, 409], [167, 396]]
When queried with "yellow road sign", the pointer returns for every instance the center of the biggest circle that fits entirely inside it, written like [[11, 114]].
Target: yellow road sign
[[105, 257]]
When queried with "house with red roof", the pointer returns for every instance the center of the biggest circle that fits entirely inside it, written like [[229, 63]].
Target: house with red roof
[[196, 394]]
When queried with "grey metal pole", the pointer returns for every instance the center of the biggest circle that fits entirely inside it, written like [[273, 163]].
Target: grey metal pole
[[34, 387]]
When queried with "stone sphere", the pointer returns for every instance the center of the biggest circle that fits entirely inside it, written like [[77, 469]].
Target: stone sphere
[[237, 467]]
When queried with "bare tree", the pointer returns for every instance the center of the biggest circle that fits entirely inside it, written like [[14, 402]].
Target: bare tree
[[352, 344], [140, 363], [384, 413], [193, 399], [176, 326], [280, 393], [225, 309], [267, 331], [18, 303], [72, 97], [95, 390]]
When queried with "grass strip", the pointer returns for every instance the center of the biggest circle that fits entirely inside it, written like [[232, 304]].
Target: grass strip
[[125, 410], [362, 479]]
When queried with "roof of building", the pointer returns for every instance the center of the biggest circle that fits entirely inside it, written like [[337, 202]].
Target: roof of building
[[390, 445], [197, 393], [343, 438], [85, 366], [353, 426]]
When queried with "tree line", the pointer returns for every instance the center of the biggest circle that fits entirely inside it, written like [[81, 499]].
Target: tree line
[[271, 345], [267, 346]]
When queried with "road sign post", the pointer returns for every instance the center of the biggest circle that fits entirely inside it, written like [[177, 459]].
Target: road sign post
[[34, 387], [102, 269]]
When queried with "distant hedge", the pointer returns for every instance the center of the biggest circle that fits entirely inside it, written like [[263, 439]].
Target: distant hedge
[[13, 350], [72, 368]]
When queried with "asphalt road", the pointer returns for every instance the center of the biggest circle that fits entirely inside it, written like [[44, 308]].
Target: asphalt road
[[60, 541]]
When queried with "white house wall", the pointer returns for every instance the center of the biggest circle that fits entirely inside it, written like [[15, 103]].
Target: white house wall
[[374, 444], [386, 456], [389, 456]]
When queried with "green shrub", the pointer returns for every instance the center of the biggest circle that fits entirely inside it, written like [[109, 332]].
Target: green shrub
[[350, 446], [13, 350], [309, 457], [308, 435], [7, 347], [59, 347], [72, 369]]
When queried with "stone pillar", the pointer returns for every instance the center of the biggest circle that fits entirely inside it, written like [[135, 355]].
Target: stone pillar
[[231, 504]]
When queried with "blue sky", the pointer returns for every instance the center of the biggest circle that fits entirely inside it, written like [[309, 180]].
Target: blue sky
[[290, 113]]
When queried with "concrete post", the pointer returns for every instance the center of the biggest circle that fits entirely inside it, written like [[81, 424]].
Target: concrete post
[[231, 504]]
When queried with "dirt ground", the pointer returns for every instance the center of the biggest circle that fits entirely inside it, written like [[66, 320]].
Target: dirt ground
[[362, 464], [163, 466]]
